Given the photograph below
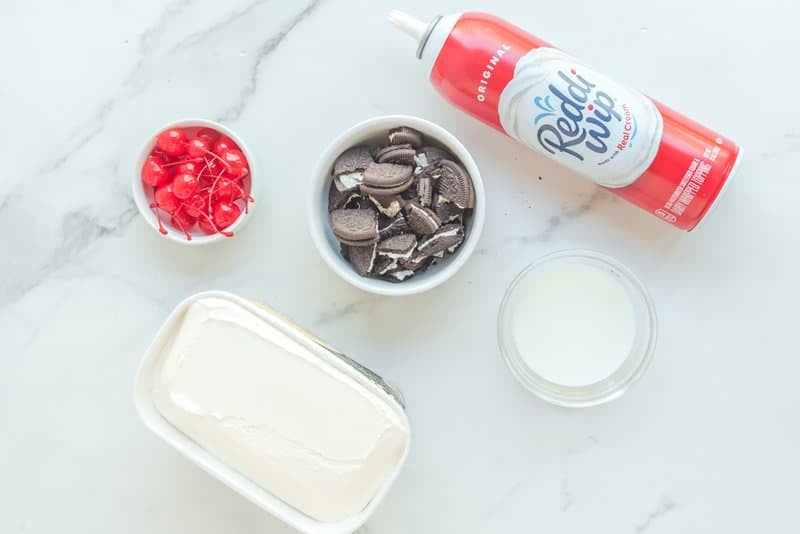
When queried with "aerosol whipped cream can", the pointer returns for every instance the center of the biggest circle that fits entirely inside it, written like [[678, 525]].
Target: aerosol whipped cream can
[[549, 101]]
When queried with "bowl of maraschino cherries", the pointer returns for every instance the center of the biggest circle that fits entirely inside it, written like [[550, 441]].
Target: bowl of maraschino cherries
[[194, 182]]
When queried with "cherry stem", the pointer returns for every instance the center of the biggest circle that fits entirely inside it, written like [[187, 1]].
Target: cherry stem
[[224, 163], [180, 224], [156, 208], [247, 198], [200, 174], [214, 188], [182, 162]]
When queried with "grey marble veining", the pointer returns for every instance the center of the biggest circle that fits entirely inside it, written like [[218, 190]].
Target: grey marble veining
[[264, 49], [665, 506]]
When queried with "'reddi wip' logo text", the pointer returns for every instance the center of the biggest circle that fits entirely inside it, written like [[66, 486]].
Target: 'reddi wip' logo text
[[575, 116]]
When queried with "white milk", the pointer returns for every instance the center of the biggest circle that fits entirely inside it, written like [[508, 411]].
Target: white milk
[[574, 325]]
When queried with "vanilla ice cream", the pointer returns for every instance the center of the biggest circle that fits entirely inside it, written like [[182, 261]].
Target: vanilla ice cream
[[317, 435]]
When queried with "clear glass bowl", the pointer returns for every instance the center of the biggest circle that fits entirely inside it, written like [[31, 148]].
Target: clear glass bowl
[[633, 366]]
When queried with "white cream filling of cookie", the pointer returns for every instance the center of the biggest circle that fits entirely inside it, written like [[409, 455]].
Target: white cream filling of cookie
[[402, 275], [398, 255], [390, 211], [388, 268], [372, 258], [454, 247], [351, 180], [450, 233]]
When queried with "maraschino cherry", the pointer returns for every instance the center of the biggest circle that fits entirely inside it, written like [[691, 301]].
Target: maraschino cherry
[[172, 142], [225, 143], [154, 171], [198, 146], [234, 163], [184, 185], [225, 214]]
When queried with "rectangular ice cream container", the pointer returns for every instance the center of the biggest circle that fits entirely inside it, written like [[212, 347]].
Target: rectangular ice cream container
[[224, 472]]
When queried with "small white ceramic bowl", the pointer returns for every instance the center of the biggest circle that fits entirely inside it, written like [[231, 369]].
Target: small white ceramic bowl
[[143, 196], [373, 132]]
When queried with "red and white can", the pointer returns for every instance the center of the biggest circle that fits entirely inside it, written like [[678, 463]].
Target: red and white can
[[638, 148]]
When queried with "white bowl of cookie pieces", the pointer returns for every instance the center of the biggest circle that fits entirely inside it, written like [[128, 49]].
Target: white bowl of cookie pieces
[[374, 132]]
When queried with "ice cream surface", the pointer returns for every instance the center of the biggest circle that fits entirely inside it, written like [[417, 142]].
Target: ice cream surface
[[309, 432]]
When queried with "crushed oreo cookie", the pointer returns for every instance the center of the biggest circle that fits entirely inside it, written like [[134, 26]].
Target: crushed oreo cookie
[[398, 209]]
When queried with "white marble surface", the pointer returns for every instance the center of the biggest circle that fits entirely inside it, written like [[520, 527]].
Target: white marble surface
[[708, 441]]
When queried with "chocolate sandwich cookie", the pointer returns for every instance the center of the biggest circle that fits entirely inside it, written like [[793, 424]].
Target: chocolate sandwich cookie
[[405, 135], [448, 238], [422, 220], [402, 154], [363, 243], [362, 258], [356, 227], [384, 265], [430, 155], [387, 175], [455, 185], [418, 262], [348, 183], [353, 160], [348, 169], [393, 255], [386, 179], [399, 247], [395, 226], [434, 172], [387, 191], [447, 211], [425, 191], [345, 199]]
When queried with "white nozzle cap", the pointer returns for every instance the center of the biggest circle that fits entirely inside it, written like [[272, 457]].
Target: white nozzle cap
[[407, 24]]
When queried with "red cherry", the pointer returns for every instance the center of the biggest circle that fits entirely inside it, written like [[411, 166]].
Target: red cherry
[[206, 226], [190, 167], [225, 214], [209, 135], [235, 163], [172, 142], [154, 173], [196, 205], [184, 185], [166, 199], [225, 143], [163, 155], [198, 147], [227, 191]]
